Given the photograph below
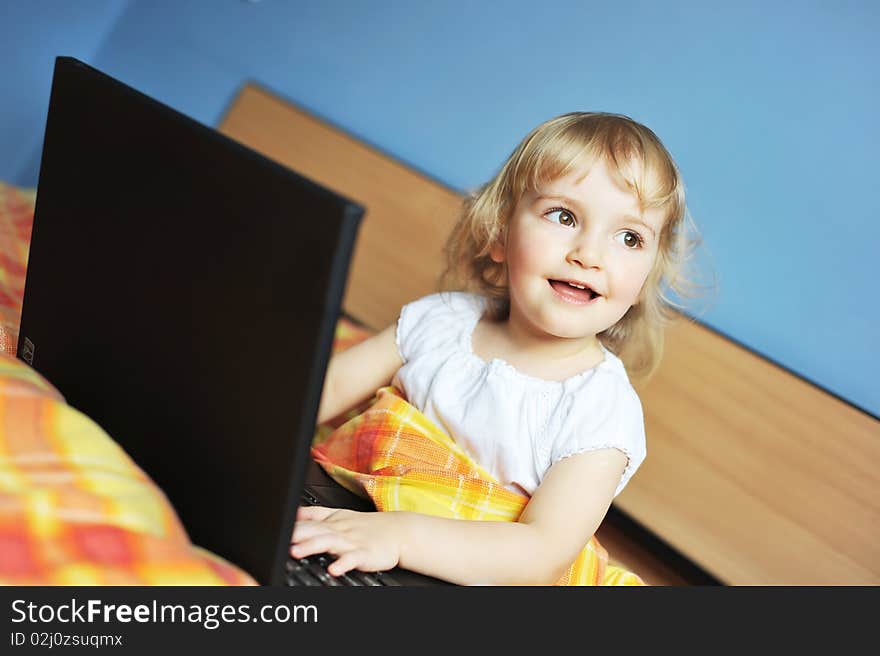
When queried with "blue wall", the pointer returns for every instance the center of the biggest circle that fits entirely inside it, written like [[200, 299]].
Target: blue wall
[[769, 108], [31, 34]]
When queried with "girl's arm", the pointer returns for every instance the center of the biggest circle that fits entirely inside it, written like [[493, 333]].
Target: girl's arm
[[356, 373], [557, 523]]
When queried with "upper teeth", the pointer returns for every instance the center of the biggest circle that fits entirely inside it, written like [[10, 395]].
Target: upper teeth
[[578, 286]]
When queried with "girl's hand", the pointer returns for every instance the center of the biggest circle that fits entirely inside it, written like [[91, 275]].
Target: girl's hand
[[368, 541]]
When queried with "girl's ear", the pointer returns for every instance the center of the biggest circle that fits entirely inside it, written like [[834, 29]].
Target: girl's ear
[[496, 251]]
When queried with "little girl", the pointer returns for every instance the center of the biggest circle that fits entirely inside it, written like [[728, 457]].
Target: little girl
[[562, 261]]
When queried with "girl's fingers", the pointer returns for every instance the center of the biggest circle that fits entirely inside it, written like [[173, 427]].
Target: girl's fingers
[[346, 562], [307, 529], [304, 531], [322, 543]]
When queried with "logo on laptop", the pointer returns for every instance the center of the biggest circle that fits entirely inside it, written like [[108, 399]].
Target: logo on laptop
[[27, 353]]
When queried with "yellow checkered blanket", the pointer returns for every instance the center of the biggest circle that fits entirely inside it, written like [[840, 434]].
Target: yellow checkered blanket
[[397, 457]]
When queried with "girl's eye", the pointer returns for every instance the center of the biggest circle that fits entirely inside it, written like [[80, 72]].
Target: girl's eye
[[631, 239], [560, 216]]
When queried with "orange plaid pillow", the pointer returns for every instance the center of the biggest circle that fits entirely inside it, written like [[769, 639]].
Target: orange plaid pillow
[[16, 220]]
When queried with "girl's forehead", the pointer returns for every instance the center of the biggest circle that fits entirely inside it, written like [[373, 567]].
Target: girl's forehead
[[596, 185], [588, 181]]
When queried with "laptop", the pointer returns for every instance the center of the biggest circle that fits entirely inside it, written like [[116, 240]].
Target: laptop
[[182, 291]]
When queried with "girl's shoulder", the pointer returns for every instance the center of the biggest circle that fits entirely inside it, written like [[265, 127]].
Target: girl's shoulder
[[436, 320], [444, 307], [604, 387], [603, 411], [449, 303]]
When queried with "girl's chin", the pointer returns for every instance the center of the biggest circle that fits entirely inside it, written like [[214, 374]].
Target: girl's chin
[[566, 330], [553, 322]]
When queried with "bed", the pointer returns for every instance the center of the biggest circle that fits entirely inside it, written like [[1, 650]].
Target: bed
[[754, 475]]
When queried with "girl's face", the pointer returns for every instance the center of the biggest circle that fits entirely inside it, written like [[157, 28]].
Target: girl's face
[[580, 231]]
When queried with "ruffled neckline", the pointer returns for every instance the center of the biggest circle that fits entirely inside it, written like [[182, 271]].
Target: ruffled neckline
[[500, 364]]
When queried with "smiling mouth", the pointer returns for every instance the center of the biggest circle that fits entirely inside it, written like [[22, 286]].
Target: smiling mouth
[[574, 293]]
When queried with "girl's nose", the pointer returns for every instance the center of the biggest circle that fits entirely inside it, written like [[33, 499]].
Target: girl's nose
[[586, 253]]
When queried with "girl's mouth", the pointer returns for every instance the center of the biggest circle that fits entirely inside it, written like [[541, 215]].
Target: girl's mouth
[[573, 294]]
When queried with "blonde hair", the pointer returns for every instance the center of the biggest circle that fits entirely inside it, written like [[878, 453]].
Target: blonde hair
[[638, 161]]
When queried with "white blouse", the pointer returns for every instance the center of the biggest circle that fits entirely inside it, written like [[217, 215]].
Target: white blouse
[[514, 425]]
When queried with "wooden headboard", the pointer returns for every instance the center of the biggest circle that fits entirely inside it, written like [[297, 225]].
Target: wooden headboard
[[753, 474]]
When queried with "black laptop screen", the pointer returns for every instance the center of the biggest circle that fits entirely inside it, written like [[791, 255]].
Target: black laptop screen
[[182, 292]]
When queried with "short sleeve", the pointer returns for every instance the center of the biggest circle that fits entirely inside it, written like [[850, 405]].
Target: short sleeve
[[434, 321], [605, 414]]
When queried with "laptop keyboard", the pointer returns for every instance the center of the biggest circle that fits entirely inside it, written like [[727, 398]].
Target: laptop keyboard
[[312, 570]]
